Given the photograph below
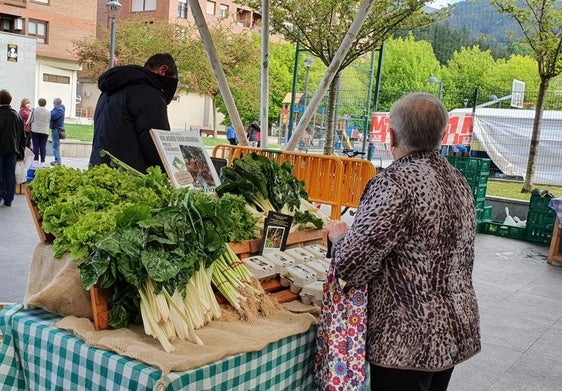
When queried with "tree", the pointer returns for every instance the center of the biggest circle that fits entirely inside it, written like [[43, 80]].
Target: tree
[[320, 27], [408, 64], [540, 22], [139, 38]]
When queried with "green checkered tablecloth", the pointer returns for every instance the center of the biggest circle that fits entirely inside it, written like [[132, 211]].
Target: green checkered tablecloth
[[36, 356]]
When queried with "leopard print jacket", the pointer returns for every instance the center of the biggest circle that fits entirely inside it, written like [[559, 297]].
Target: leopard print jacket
[[412, 242]]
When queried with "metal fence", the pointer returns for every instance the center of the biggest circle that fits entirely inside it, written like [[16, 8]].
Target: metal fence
[[352, 106]]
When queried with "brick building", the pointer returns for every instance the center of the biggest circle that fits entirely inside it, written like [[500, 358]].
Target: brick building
[[41, 32]]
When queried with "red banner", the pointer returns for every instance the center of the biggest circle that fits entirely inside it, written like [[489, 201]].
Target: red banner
[[458, 129]]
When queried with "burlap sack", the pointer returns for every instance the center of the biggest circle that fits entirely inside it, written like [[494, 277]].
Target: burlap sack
[[221, 339], [55, 285]]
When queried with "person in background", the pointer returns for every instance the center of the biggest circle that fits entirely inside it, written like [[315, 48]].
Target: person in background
[[25, 114], [134, 100], [412, 243], [12, 147], [56, 123], [231, 135], [254, 134], [40, 132]]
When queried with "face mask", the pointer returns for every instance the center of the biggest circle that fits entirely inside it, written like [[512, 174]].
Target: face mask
[[28, 106]]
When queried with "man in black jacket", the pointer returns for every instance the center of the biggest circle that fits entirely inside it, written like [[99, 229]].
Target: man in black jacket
[[12, 147], [134, 100]]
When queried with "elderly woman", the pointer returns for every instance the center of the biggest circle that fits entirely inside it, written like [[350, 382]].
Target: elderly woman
[[412, 243]]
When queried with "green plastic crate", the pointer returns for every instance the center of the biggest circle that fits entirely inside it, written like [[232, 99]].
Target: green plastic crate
[[541, 219], [499, 229], [540, 204], [484, 214], [476, 179], [470, 165], [538, 234], [479, 192], [487, 213]]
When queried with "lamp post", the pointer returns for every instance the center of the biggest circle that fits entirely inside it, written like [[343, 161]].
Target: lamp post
[[112, 7], [435, 80], [307, 64]]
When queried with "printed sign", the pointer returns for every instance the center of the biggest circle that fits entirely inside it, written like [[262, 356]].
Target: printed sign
[[458, 129], [12, 52]]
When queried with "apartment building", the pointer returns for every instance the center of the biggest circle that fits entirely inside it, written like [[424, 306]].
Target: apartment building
[[36, 59]]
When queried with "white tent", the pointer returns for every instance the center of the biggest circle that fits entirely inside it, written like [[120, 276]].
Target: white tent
[[505, 135]]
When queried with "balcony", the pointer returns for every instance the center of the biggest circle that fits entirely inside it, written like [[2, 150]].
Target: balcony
[[16, 3]]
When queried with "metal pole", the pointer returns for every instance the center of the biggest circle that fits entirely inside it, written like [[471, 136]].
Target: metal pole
[[305, 86], [112, 43], [264, 96], [368, 106], [293, 93]]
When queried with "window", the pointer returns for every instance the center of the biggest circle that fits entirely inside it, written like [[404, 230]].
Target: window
[[37, 29], [143, 5], [211, 7], [182, 9], [50, 78], [40, 1], [223, 11]]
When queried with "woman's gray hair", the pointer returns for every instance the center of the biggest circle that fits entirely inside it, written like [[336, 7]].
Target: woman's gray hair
[[418, 120]]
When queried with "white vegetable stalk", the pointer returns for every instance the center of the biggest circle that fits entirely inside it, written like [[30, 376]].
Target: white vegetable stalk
[[169, 317]]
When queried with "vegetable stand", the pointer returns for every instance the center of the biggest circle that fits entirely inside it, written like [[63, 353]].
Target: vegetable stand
[[37, 356]]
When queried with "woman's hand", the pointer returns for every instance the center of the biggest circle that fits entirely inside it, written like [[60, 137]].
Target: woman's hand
[[336, 229]]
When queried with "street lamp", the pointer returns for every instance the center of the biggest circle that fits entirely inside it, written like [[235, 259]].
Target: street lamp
[[112, 7], [307, 64], [435, 80]]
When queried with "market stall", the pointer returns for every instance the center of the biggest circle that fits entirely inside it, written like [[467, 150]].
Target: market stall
[[48, 344]]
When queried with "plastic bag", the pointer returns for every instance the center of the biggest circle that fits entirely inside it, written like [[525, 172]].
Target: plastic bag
[[21, 172], [340, 344], [23, 166]]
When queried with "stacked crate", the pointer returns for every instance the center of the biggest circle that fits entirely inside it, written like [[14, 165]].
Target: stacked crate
[[476, 171], [540, 220]]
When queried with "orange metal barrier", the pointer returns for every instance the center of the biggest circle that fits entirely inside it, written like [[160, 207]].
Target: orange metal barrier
[[332, 180], [357, 172]]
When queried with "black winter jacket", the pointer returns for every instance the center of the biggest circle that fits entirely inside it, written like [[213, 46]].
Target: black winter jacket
[[12, 136], [133, 101]]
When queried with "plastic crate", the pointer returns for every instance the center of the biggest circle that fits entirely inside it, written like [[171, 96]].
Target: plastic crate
[[541, 219], [470, 165], [477, 179], [538, 234], [484, 214], [479, 203], [540, 204], [479, 192], [499, 229]]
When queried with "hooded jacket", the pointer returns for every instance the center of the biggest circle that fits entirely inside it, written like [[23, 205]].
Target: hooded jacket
[[133, 101]]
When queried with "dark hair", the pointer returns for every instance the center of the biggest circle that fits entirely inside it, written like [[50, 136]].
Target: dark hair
[[42, 102], [5, 97], [159, 59]]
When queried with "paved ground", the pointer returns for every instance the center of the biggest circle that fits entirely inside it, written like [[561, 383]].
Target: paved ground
[[519, 294]]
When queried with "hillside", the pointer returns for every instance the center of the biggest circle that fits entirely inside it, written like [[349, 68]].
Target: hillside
[[481, 18]]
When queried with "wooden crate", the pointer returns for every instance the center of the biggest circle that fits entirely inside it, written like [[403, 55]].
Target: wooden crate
[[99, 297], [43, 236]]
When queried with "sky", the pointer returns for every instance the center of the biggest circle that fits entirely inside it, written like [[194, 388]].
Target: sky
[[442, 3]]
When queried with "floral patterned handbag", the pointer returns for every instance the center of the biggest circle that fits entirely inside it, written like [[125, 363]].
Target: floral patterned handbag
[[340, 344]]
